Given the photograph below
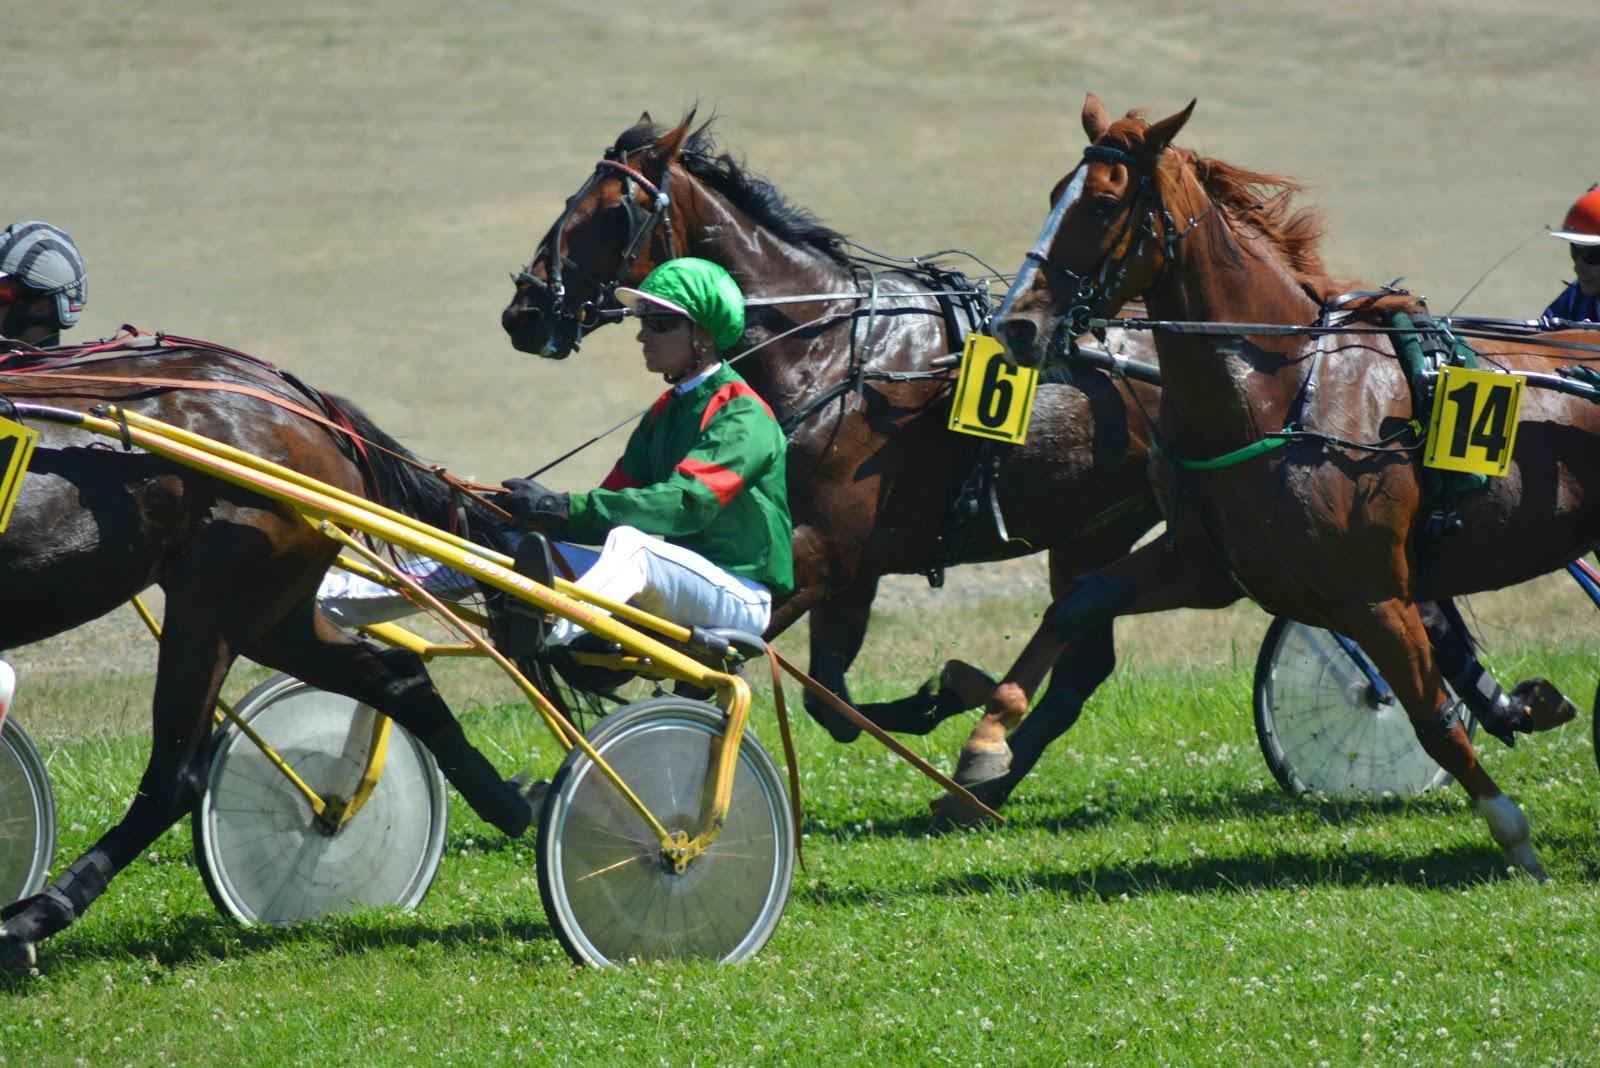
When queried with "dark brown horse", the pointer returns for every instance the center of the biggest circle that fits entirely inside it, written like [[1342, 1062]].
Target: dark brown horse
[[1324, 523], [846, 368], [95, 524]]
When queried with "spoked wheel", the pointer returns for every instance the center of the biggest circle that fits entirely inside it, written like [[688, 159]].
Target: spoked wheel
[[264, 855], [1328, 724], [607, 890], [27, 816]]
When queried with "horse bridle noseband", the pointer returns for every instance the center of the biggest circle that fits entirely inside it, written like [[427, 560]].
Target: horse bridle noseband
[[1095, 286], [642, 225]]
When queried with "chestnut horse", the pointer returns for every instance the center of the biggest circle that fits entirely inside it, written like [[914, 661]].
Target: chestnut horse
[[1319, 521], [95, 524], [842, 353]]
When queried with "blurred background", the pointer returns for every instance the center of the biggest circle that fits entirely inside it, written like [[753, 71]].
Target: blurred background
[[344, 189]]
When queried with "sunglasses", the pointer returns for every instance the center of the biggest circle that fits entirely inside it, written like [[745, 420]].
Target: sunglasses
[[662, 322], [1589, 254]]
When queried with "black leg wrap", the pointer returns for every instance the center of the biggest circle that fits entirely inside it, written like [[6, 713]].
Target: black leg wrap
[[490, 796], [1449, 716], [1095, 601], [74, 890]]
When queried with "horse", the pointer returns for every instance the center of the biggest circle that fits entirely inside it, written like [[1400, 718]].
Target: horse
[[1287, 465], [95, 523], [841, 348]]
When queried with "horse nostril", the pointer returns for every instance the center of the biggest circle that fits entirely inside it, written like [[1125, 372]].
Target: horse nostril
[[1018, 336]]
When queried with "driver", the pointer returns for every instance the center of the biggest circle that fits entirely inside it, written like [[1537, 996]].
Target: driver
[[1580, 301], [42, 283], [693, 520]]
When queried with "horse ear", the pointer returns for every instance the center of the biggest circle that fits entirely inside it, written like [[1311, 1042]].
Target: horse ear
[[671, 144], [1096, 120], [645, 119], [1161, 132]]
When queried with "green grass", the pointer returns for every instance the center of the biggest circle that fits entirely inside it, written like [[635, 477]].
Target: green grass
[[1152, 899]]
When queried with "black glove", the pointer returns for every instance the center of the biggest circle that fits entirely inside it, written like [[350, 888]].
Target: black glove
[[530, 502]]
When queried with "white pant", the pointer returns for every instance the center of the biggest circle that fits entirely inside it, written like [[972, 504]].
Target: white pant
[[664, 579]]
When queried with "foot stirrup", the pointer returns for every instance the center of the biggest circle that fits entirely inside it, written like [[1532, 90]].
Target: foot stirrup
[[519, 628]]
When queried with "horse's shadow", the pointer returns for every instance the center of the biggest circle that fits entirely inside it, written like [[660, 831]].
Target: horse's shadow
[[200, 939], [1210, 806], [1442, 870]]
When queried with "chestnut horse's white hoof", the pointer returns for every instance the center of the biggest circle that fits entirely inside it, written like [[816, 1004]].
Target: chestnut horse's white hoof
[[1510, 830], [17, 955], [977, 765]]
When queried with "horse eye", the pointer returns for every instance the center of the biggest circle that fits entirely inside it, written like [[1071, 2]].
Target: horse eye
[[1107, 207]]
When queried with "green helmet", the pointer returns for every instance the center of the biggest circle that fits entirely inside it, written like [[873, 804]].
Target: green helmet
[[698, 288]]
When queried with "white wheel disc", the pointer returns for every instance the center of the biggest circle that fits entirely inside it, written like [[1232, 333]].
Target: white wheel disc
[[607, 891], [1322, 727], [27, 816], [263, 854]]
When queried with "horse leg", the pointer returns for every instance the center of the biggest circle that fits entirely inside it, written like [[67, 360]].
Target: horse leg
[[1153, 578], [393, 681], [193, 661], [838, 629], [1532, 705], [1393, 635]]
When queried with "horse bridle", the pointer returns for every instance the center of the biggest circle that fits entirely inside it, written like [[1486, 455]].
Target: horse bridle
[[1095, 286], [642, 225]]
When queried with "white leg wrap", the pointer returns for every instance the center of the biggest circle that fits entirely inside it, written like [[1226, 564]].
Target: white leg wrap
[[1510, 829]]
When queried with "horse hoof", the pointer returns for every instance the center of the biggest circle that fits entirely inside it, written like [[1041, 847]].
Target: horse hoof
[[980, 765], [18, 956], [971, 685], [951, 813], [1548, 708]]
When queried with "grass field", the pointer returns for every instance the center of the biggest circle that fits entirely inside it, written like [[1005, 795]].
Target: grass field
[[342, 189], [1154, 899]]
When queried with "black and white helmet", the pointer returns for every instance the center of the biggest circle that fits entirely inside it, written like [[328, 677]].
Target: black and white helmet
[[45, 260]]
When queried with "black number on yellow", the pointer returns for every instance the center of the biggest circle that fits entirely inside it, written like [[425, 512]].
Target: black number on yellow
[[995, 394], [1488, 431]]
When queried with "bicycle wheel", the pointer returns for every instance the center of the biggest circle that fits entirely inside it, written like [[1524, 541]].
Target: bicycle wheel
[[606, 888], [261, 852], [1325, 728], [27, 816]]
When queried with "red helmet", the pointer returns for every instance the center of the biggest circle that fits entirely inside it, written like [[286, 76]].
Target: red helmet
[[1582, 224]]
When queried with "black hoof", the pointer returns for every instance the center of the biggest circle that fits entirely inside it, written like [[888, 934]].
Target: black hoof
[[841, 729], [18, 956]]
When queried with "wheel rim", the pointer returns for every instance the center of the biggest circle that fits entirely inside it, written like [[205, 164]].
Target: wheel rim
[[27, 816], [1329, 735], [606, 888], [264, 856]]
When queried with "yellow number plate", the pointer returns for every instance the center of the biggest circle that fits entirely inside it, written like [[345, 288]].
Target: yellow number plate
[[993, 398], [1474, 421], [16, 449]]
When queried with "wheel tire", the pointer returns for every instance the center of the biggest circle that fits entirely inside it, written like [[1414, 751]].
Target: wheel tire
[[1595, 729], [1320, 728], [606, 891], [257, 844], [27, 816]]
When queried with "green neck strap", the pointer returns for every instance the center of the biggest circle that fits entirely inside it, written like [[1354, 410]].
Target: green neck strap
[[1272, 441]]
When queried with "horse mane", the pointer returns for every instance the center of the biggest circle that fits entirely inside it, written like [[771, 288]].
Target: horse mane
[[750, 193], [416, 492], [1264, 203]]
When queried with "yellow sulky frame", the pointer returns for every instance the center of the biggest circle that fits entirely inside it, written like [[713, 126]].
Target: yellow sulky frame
[[333, 510]]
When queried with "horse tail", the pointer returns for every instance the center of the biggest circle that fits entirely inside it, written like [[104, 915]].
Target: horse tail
[[410, 487]]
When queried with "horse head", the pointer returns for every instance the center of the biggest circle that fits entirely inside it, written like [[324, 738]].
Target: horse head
[[1109, 234], [613, 231]]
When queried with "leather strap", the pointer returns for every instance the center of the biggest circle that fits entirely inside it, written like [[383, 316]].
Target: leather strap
[[843, 708]]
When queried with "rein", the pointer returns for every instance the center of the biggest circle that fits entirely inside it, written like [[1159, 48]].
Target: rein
[[335, 421]]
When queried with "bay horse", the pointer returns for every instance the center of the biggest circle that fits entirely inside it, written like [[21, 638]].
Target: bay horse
[[1286, 465], [841, 347], [95, 524]]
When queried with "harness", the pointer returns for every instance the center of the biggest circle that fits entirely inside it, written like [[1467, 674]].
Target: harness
[[642, 225]]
